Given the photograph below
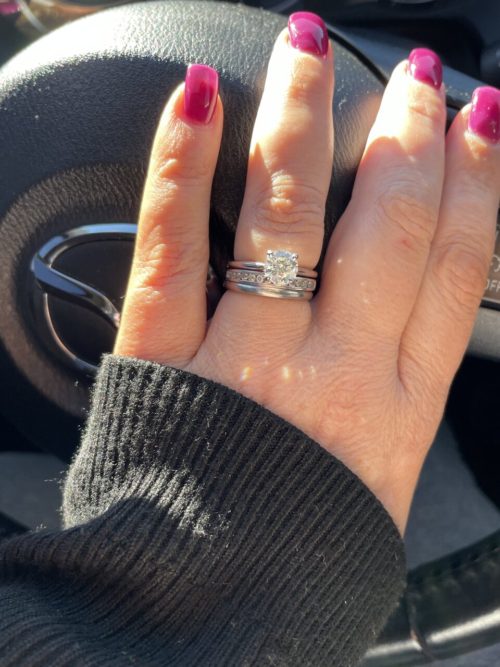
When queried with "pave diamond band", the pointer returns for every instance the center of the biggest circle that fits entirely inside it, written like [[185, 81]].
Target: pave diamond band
[[279, 276], [260, 278]]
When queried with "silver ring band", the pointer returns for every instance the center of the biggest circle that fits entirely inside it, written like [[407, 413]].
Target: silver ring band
[[280, 276], [258, 278], [259, 266], [275, 292]]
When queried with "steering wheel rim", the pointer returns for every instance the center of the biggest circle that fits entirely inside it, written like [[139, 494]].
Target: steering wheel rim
[[78, 111]]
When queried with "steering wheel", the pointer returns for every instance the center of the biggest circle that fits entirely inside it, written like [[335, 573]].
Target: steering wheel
[[78, 111]]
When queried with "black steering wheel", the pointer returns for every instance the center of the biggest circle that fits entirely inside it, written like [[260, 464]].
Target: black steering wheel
[[78, 111]]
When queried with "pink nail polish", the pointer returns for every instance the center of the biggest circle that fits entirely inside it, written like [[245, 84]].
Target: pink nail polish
[[9, 7], [425, 66], [308, 33], [484, 117], [200, 93]]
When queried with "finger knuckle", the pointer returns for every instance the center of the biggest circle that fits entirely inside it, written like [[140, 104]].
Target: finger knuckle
[[475, 188], [182, 171], [165, 265], [407, 213], [461, 268], [427, 108], [180, 155], [289, 206], [307, 83]]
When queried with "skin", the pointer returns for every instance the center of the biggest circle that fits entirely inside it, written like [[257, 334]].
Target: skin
[[365, 368]]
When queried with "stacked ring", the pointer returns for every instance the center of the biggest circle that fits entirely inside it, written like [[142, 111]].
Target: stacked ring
[[279, 276]]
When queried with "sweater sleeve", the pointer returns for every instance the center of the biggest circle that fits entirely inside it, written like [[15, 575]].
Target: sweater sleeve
[[200, 529]]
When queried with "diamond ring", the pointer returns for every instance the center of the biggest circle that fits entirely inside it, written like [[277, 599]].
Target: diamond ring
[[279, 276]]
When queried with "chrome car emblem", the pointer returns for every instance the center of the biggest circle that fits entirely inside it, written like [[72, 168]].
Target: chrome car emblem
[[56, 283]]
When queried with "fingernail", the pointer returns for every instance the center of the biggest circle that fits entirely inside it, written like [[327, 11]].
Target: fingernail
[[200, 93], [308, 33], [7, 8], [484, 117], [425, 66]]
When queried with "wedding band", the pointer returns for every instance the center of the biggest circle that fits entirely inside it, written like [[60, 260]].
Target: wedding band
[[280, 276], [276, 292], [259, 278]]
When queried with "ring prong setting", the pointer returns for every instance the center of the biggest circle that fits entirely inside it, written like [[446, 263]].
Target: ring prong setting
[[281, 267]]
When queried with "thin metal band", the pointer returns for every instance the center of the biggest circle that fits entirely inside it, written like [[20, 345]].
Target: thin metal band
[[275, 292], [259, 266]]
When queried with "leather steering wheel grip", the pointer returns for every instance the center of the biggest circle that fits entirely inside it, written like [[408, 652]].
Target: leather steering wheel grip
[[78, 112], [451, 606]]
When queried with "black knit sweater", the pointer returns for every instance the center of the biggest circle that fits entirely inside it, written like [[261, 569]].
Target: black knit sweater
[[200, 529]]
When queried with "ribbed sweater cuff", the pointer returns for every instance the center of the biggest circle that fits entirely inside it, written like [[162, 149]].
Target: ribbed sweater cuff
[[278, 551]]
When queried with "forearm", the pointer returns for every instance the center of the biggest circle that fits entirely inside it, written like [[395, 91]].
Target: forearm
[[200, 529]]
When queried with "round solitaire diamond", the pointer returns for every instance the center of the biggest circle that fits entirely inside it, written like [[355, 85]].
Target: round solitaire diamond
[[281, 267]]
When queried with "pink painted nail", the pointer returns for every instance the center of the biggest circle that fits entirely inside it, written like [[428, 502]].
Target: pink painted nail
[[8, 7], [200, 93], [425, 66], [308, 33], [484, 117]]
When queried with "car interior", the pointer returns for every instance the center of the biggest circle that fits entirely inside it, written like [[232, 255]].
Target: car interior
[[82, 84]]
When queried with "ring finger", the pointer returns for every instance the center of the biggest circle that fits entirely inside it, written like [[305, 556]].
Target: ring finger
[[291, 152]]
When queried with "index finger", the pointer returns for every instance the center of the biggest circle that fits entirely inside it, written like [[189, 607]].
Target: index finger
[[164, 315]]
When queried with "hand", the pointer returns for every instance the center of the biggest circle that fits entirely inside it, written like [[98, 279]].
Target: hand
[[365, 367]]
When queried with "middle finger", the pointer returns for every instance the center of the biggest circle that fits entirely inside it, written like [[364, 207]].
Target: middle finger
[[291, 152]]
